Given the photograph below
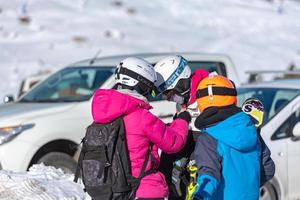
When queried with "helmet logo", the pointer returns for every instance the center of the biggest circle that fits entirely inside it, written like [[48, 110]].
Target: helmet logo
[[247, 108]]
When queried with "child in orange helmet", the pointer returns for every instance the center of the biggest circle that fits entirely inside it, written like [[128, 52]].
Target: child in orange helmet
[[228, 151]]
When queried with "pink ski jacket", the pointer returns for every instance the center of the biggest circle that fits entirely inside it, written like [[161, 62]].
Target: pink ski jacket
[[142, 128]]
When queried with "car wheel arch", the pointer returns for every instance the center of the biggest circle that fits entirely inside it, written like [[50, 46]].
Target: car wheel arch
[[275, 183], [65, 146]]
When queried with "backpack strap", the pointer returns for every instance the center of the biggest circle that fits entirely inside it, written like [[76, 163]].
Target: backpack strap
[[143, 173], [77, 172], [78, 167]]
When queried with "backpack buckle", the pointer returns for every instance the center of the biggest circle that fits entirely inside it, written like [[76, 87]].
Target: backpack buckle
[[107, 164]]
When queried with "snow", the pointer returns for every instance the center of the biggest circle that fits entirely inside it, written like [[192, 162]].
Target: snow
[[40, 183], [37, 35]]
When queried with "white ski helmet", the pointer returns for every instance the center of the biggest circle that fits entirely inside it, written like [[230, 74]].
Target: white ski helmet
[[169, 71], [133, 70]]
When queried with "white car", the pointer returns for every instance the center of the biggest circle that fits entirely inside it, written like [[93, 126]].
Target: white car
[[47, 123], [281, 133]]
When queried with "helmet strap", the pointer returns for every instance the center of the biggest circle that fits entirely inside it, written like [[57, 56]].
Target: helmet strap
[[136, 76]]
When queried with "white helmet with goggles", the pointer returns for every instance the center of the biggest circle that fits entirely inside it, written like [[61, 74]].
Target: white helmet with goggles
[[137, 74], [173, 74]]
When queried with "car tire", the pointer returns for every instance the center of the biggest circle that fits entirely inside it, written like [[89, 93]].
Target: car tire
[[268, 192], [59, 160]]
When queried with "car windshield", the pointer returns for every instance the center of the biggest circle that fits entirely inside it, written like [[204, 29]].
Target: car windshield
[[69, 84], [274, 99]]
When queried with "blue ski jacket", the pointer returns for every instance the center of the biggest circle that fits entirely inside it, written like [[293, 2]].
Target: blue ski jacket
[[228, 158]]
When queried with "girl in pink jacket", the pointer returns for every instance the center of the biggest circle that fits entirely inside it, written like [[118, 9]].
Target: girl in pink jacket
[[135, 81]]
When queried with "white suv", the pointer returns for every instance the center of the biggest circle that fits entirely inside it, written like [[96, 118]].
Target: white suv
[[281, 133], [47, 123]]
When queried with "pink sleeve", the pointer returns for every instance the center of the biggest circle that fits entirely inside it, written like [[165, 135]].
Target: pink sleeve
[[169, 138]]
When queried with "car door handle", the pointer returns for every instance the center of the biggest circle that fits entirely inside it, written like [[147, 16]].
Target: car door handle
[[165, 116], [280, 154]]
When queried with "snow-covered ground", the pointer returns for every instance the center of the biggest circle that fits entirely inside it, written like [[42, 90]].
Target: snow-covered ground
[[37, 35], [40, 183]]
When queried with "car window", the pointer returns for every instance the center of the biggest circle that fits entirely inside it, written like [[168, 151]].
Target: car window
[[286, 129], [219, 67], [69, 84], [281, 99], [274, 99], [33, 83]]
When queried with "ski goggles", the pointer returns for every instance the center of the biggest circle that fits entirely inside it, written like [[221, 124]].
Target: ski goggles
[[138, 77], [180, 93], [181, 88]]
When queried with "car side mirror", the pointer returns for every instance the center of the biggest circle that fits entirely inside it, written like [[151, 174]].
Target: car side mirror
[[296, 132], [8, 98]]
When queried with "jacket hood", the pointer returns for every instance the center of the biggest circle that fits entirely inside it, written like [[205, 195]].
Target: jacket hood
[[109, 104], [197, 76], [237, 131]]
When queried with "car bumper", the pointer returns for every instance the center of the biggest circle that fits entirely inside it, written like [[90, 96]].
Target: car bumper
[[16, 155]]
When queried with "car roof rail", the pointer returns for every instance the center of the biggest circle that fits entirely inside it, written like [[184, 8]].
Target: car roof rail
[[255, 75]]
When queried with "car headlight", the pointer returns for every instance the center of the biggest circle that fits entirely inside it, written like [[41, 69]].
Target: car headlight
[[10, 132]]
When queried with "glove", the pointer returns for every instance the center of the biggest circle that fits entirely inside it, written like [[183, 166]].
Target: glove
[[185, 116], [206, 187]]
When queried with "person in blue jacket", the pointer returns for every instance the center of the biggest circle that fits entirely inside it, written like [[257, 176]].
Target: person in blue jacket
[[231, 159]]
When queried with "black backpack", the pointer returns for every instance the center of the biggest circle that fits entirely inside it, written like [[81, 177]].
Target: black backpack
[[104, 163]]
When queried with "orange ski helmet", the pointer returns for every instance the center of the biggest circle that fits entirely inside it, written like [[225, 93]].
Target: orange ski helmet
[[216, 91]]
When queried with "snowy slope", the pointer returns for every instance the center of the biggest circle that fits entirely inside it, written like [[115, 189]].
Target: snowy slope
[[40, 183], [254, 33]]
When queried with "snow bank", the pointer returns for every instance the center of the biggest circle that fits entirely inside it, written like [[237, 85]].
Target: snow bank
[[39, 183]]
